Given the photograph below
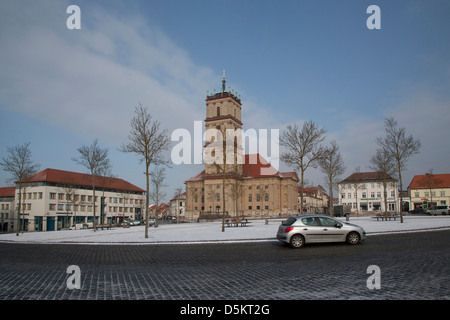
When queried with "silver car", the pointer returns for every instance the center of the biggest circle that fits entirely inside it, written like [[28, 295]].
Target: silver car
[[298, 230]]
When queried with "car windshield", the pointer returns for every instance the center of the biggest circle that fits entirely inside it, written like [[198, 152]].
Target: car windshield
[[289, 221]]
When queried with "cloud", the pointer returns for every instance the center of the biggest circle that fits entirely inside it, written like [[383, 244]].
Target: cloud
[[89, 81]]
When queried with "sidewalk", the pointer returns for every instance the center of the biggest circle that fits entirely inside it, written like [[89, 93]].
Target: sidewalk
[[211, 232]]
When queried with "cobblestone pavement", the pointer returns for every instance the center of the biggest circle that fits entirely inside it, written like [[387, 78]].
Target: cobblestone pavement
[[413, 266]]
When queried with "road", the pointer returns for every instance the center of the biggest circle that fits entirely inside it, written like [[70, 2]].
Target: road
[[411, 266]]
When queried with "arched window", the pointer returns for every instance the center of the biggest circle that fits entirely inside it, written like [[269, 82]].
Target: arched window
[[218, 111]]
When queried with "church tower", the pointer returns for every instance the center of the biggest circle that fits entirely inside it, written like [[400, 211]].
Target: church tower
[[223, 113]]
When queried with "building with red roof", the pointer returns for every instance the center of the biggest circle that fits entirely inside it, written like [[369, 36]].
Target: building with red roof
[[428, 190], [253, 187], [57, 199]]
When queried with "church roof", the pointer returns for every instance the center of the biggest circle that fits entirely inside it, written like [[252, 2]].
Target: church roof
[[255, 166]]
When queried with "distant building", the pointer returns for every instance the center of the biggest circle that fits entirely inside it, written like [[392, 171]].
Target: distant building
[[315, 200], [178, 206], [364, 192], [428, 190], [55, 199], [7, 204]]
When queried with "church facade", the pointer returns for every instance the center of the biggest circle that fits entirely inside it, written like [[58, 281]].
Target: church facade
[[237, 184]]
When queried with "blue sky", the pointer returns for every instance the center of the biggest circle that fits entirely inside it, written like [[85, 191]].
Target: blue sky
[[291, 61]]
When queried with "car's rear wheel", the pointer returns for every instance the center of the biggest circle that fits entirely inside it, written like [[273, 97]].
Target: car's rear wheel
[[353, 238], [297, 241]]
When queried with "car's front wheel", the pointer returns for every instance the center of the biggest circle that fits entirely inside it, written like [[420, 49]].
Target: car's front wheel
[[353, 238], [297, 241]]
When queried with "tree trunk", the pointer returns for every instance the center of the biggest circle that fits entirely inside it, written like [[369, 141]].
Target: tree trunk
[[146, 200]]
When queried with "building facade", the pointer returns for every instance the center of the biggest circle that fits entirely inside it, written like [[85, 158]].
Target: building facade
[[55, 200], [315, 200], [369, 191], [7, 204], [178, 206], [429, 190], [237, 184]]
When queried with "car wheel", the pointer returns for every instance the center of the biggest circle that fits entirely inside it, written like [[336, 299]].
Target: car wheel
[[297, 241], [353, 238]]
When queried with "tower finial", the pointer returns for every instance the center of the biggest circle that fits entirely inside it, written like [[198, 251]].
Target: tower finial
[[223, 81]]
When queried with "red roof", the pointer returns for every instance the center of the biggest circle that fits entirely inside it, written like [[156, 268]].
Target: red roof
[[364, 176], [7, 192], [81, 179], [433, 181], [179, 196], [255, 166]]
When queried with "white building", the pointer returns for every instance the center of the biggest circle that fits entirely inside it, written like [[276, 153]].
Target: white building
[[55, 199], [365, 192]]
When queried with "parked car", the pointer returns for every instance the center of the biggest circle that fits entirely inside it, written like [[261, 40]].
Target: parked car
[[416, 211], [438, 210], [299, 230]]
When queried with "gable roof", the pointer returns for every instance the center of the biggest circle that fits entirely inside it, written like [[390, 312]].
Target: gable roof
[[181, 196], [7, 192], [366, 176], [81, 179], [433, 181], [255, 166]]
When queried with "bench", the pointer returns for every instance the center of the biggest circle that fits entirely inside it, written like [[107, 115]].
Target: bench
[[236, 222], [386, 217], [102, 226]]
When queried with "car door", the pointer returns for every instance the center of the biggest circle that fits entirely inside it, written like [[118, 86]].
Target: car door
[[312, 230], [331, 232]]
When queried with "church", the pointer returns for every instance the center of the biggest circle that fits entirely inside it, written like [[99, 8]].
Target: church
[[247, 186]]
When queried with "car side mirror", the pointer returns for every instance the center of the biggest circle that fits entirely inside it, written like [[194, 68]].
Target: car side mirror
[[338, 225]]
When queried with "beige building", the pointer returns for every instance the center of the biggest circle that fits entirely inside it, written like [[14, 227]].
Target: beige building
[[429, 190], [315, 200], [247, 185]]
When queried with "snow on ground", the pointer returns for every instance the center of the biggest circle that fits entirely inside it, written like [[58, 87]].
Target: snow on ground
[[256, 230]]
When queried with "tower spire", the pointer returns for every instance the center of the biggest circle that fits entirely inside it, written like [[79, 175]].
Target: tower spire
[[223, 81]]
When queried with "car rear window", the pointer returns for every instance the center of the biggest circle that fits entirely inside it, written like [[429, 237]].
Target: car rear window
[[289, 221]]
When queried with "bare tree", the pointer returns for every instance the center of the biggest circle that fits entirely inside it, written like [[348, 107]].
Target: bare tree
[[303, 149], [356, 183], [382, 163], [95, 160], [260, 195], [19, 165], [157, 179], [105, 177], [400, 147], [235, 185], [68, 189], [148, 141], [332, 165]]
